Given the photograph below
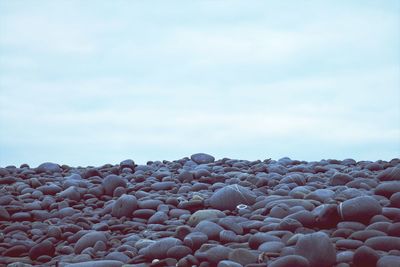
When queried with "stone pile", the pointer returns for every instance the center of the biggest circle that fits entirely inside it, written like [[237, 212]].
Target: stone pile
[[199, 211]]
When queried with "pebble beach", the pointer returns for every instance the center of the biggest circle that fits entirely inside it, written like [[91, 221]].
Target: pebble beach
[[202, 211]]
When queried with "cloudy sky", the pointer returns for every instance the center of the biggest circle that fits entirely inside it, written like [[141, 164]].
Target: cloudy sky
[[94, 82]]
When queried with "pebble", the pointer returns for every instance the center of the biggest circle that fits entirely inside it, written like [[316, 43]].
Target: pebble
[[385, 243], [43, 248], [360, 209], [124, 206], [389, 261], [365, 257], [290, 261], [111, 182], [317, 248], [243, 256], [229, 197], [202, 158], [89, 240], [210, 229], [201, 215], [387, 189], [159, 249], [48, 167]]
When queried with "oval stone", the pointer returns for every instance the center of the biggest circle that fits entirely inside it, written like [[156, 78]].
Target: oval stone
[[229, 197], [317, 248], [124, 206]]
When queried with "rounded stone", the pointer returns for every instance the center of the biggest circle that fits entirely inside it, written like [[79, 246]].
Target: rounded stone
[[271, 246], [210, 229], [390, 174], [48, 167], [385, 243], [365, 257], [363, 235], [317, 248], [43, 248], [258, 238], [202, 158], [387, 189], [290, 261], [395, 200], [16, 251], [158, 218], [243, 256], [229, 197], [195, 239], [159, 249], [228, 263], [70, 193], [360, 209], [111, 182], [201, 215], [340, 179], [124, 206], [389, 261], [118, 256], [163, 186], [89, 240], [178, 252]]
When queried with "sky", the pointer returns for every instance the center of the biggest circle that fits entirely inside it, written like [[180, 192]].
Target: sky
[[85, 83]]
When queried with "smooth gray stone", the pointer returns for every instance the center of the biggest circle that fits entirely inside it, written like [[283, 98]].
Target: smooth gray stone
[[48, 167], [229, 197], [290, 261], [202, 158], [360, 209], [124, 206], [317, 248], [89, 240]]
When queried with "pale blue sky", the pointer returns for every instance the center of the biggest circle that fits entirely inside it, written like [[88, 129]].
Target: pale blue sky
[[95, 82]]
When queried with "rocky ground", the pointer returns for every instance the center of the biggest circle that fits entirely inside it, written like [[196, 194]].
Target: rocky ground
[[201, 212]]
